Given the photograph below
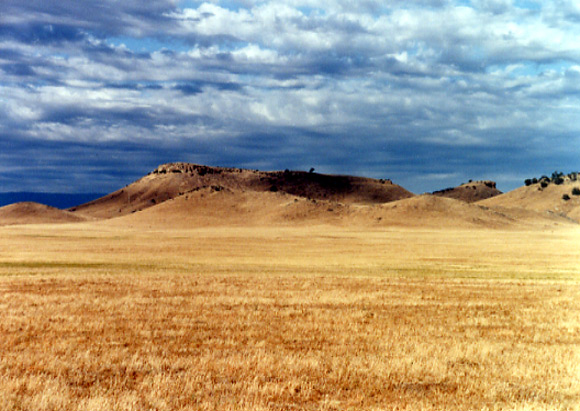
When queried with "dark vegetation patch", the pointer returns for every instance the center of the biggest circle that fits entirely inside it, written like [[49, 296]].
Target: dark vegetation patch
[[557, 178]]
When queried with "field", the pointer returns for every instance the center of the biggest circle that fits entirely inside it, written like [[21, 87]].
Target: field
[[96, 317]]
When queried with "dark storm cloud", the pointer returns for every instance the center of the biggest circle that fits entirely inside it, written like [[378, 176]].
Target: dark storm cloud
[[57, 166], [427, 93], [17, 69], [41, 33], [189, 88], [198, 86], [132, 86], [144, 118], [105, 17]]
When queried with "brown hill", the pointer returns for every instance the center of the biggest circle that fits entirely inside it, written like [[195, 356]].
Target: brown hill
[[432, 211], [471, 192], [172, 180], [211, 206], [224, 207], [545, 200], [35, 213]]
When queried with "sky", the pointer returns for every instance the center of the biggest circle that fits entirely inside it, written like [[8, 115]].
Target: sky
[[94, 94]]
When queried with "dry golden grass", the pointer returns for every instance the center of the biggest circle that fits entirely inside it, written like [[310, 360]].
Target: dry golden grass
[[321, 318]]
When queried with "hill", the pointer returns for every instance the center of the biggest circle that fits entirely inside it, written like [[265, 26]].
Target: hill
[[185, 195], [213, 206], [58, 200], [35, 213], [169, 181], [430, 211], [471, 192], [545, 200]]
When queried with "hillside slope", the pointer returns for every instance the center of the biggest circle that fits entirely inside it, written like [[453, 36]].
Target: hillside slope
[[212, 206], [172, 180], [546, 200], [35, 213], [471, 192]]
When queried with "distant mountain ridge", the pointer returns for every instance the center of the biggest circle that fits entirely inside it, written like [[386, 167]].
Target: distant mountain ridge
[[58, 200]]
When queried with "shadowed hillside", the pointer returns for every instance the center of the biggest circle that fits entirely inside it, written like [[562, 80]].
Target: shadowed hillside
[[471, 192]]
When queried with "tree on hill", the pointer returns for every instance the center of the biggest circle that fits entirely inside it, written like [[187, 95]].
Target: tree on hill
[[557, 174], [557, 177]]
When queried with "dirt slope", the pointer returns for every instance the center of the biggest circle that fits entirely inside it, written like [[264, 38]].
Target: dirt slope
[[35, 213], [210, 206], [544, 200], [434, 211], [471, 192], [171, 180], [224, 207]]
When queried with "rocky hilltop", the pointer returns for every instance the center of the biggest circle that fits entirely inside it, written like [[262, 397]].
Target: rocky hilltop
[[171, 180]]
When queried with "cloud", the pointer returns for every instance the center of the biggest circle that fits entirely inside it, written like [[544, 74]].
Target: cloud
[[41, 33], [17, 69], [409, 90], [106, 17]]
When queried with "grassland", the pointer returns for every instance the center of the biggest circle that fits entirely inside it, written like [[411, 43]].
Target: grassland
[[95, 317]]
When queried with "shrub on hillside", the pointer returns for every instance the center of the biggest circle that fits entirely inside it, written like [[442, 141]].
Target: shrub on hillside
[[576, 191], [565, 197], [528, 182], [544, 183], [556, 175]]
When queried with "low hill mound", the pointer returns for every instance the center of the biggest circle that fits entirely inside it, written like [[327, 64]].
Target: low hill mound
[[435, 211], [207, 206], [175, 179], [470, 192], [35, 213], [557, 199], [218, 206]]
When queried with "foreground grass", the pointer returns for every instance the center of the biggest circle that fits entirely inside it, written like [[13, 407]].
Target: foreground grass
[[263, 319]]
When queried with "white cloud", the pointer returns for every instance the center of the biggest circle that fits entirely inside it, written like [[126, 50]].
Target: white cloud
[[253, 53]]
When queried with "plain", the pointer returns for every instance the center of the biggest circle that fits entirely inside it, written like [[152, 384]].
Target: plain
[[99, 317]]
